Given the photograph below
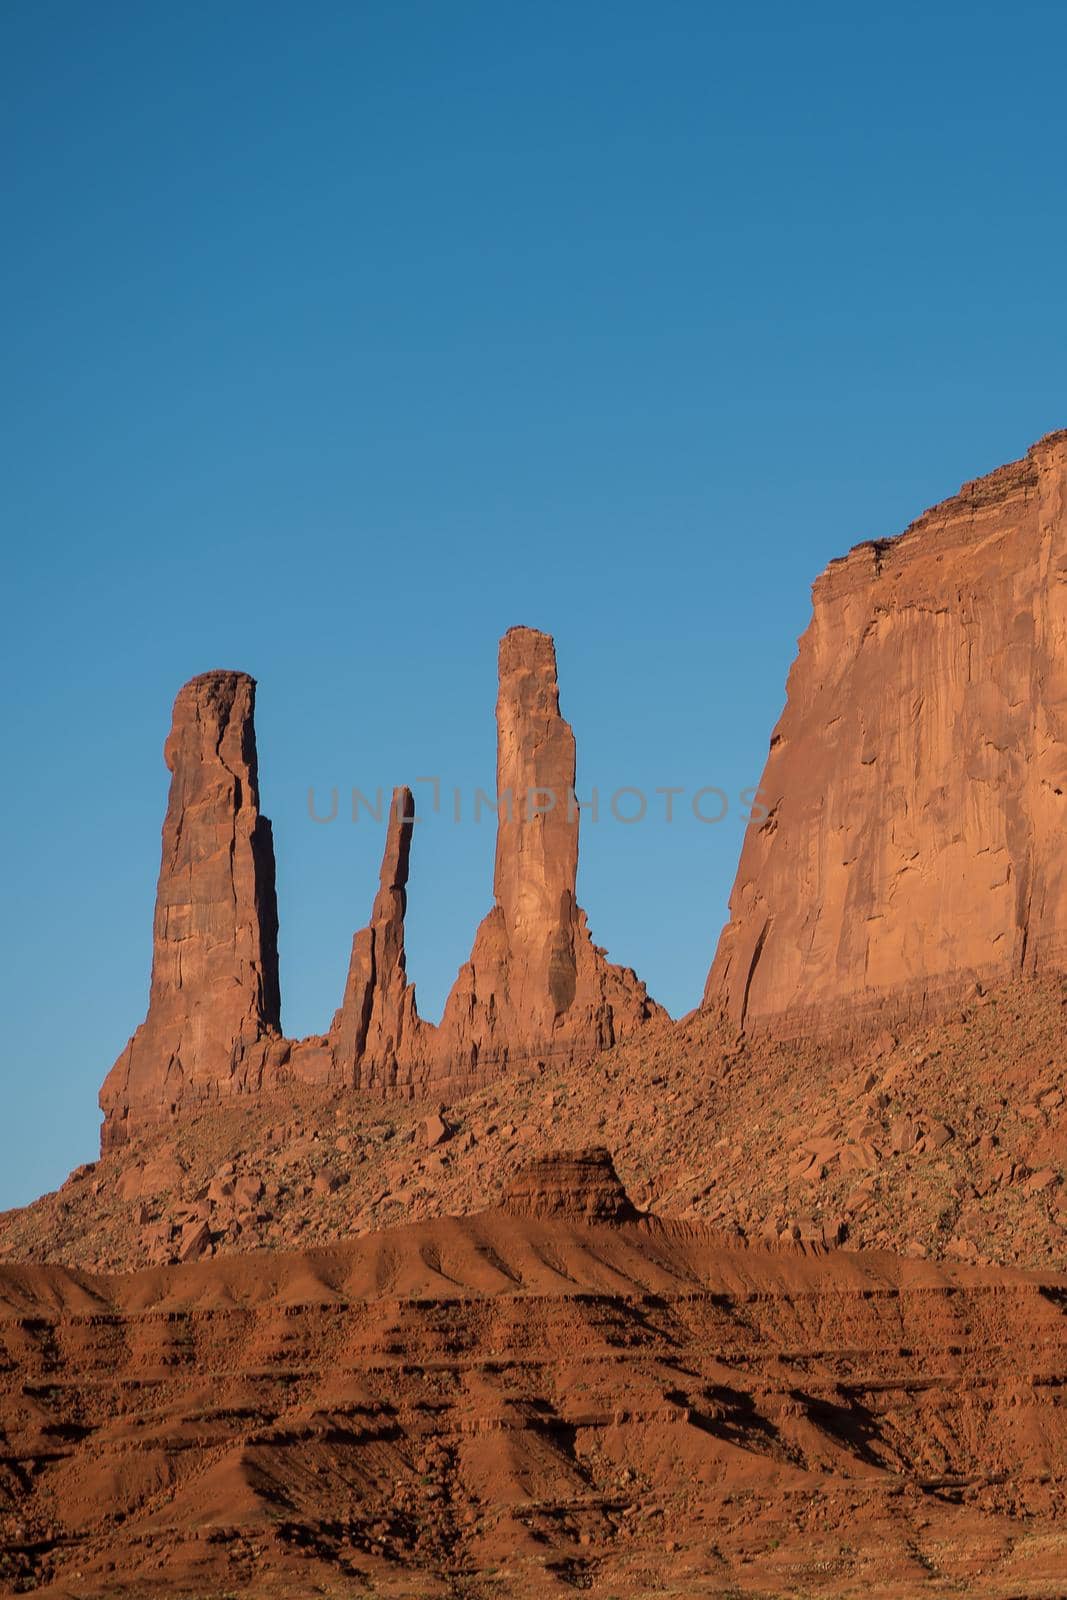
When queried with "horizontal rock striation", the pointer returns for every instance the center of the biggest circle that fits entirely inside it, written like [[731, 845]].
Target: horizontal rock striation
[[419, 1410], [916, 787], [581, 1185]]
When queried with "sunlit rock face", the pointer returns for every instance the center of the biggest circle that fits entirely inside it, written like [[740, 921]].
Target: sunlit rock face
[[535, 987], [916, 787], [213, 1009]]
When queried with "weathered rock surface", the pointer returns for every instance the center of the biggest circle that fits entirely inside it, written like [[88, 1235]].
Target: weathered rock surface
[[949, 1140], [535, 988], [377, 1026], [581, 1185], [530, 1406], [214, 1003], [916, 786]]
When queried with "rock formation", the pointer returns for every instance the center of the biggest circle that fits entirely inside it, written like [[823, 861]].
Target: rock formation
[[916, 788], [213, 1006], [377, 1027], [580, 1185], [536, 987]]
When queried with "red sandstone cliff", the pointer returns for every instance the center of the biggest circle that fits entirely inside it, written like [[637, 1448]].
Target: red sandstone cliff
[[916, 790], [214, 1001], [917, 780]]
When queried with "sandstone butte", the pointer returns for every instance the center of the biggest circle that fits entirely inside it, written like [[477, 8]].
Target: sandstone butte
[[916, 786], [535, 988]]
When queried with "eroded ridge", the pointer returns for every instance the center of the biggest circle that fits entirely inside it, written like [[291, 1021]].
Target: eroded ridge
[[532, 1403]]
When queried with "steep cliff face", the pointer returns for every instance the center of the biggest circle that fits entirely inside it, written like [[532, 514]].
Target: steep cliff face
[[537, 837], [213, 1005], [916, 786]]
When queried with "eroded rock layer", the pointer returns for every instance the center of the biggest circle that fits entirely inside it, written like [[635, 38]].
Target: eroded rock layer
[[945, 1139], [916, 786], [533, 1406], [580, 1185], [213, 1008]]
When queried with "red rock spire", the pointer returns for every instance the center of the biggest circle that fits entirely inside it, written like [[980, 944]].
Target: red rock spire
[[536, 987], [214, 991], [376, 1027]]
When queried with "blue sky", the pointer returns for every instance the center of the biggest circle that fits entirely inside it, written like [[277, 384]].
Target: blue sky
[[338, 338]]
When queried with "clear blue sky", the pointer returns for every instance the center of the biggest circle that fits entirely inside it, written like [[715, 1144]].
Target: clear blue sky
[[341, 337]]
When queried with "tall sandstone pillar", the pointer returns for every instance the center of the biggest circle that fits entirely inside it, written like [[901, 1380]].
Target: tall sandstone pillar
[[917, 780], [214, 999], [536, 987]]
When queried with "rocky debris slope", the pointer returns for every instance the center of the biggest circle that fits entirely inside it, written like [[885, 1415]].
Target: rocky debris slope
[[214, 1006], [945, 1139], [916, 786], [536, 987], [527, 1405]]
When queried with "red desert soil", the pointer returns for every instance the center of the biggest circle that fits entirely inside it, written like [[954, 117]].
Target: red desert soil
[[528, 1402]]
